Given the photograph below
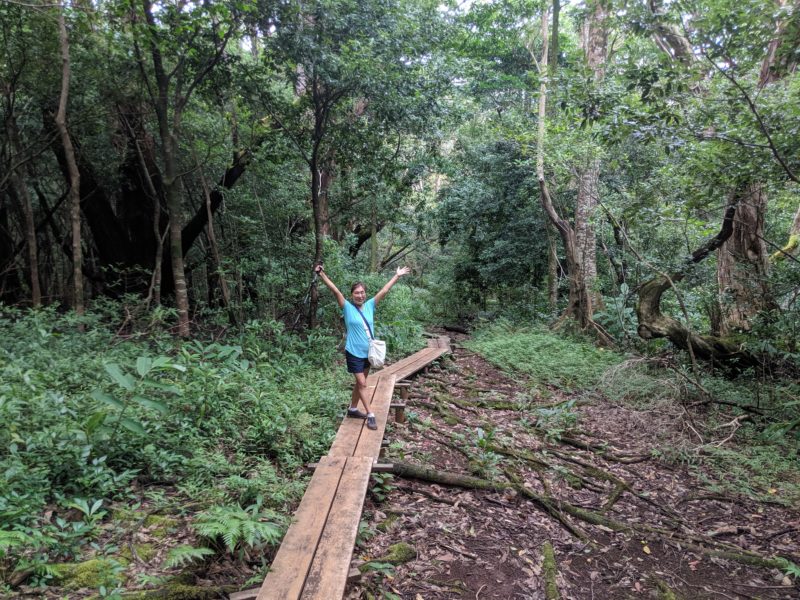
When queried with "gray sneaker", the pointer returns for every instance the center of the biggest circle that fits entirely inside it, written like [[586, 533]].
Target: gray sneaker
[[371, 422], [354, 413]]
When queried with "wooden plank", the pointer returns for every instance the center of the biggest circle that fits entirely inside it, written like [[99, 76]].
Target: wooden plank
[[245, 594], [327, 577], [430, 356], [291, 565], [401, 363], [369, 444], [421, 358]]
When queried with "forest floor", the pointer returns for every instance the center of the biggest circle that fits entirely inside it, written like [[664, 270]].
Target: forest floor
[[660, 530], [596, 480]]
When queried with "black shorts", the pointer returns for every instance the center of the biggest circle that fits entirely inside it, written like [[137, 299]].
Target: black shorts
[[356, 364]]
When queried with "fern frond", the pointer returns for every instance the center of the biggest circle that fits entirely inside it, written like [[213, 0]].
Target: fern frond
[[237, 527], [184, 555]]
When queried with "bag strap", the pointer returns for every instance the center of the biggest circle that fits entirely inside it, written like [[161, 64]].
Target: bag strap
[[369, 329]]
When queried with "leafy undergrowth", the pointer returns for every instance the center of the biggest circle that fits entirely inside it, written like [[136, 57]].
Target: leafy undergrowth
[[150, 455], [546, 357]]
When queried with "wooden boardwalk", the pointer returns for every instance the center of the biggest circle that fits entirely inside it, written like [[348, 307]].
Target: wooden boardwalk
[[314, 558]]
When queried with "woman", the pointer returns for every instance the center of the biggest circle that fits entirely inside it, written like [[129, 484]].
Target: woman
[[356, 312]]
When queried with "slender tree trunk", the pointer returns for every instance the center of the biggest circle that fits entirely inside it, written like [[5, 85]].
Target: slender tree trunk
[[74, 175], [595, 42], [172, 184], [154, 293], [552, 269], [580, 304], [212, 240], [373, 240], [19, 185], [552, 58]]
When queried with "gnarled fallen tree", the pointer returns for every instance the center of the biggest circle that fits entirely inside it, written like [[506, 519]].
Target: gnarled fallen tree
[[654, 324]]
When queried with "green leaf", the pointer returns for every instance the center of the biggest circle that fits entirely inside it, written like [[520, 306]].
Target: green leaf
[[121, 379], [172, 389], [143, 365], [108, 399], [154, 404], [95, 421], [133, 426]]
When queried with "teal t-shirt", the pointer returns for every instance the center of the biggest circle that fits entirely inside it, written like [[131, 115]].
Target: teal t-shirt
[[357, 337]]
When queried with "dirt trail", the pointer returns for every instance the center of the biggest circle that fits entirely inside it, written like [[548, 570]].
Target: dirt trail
[[488, 544]]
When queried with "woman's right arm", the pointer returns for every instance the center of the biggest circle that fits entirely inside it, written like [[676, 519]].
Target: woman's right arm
[[331, 286]]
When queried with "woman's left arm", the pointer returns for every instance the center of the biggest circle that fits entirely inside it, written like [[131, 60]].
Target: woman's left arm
[[385, 289]]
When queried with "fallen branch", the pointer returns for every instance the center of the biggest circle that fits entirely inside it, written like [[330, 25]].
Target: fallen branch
[[550, 571]]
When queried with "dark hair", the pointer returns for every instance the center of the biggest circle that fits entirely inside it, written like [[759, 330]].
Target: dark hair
[[356, 285]]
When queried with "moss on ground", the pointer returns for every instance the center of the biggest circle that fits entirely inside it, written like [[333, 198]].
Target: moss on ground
[[399, 553], [162, 525], [145, 552], [88, 574]]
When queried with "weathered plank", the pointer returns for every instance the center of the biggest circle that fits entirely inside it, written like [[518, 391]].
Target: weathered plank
[[431, 355], [421, 359], [331, 565], [291, 565]]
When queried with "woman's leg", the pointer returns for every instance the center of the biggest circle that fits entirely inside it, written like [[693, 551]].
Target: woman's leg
[[360, 391], [356, 396]]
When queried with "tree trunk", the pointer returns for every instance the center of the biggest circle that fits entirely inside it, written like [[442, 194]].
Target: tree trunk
[[316, 177], [552, 269], [212, 241], [743, 261], [173, 191], [585, 207], [595, 42], [20, 188], [743, 264], [9, 280], [72, 165], [373, 240], [580, 305], [552, 58]]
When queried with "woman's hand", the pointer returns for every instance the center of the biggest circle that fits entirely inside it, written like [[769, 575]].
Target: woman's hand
[[403, 271], [318, 268]]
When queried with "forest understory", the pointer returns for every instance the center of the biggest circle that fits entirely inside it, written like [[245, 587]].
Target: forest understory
[[502, 486], [584, 479]]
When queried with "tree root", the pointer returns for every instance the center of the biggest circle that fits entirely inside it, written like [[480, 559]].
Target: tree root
[[557, 508], [550, 571], [602, 451]]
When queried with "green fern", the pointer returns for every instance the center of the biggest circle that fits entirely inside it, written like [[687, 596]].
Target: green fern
[[9, 540], [237, 527], [184, 555]]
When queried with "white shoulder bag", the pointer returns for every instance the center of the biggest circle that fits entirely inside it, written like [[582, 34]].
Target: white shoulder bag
[[377, 348]]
